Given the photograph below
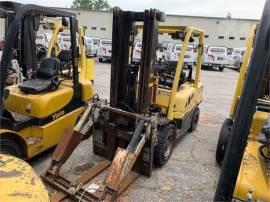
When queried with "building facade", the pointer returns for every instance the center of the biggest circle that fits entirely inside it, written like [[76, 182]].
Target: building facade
[[227, 32]]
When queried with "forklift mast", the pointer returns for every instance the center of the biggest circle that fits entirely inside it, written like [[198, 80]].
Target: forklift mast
[[130, 82]]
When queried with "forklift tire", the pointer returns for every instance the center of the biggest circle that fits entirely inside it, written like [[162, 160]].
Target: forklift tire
[[100, 59], [165, 144], [195, 120], [223, 140], [221, 69], [10, 147]]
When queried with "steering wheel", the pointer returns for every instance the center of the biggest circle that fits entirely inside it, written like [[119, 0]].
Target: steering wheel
[[63, 67]]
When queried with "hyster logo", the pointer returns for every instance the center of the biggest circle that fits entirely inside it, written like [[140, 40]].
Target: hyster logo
[[163, 93], [57, 115]]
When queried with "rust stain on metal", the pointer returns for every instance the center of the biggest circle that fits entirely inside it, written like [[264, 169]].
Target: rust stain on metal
[[92, 172], [123, 199], [83, 167], [9, 174], [58, 196], [132, 176], [9, 160], [33, 181]]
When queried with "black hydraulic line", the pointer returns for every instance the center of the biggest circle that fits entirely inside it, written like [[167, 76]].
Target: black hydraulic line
[[136, 137], [245, 110], [124, 106]]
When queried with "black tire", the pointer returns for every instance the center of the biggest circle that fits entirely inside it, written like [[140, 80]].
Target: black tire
[[221, 69], [195, 119], [100, 59], [165, 144], [223, 140], [10, 147]]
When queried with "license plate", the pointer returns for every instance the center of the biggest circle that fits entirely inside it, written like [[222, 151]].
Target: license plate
[[187, 56], [220, 58]]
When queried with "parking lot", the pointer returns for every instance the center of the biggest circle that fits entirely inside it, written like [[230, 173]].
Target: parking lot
[[191, 173]]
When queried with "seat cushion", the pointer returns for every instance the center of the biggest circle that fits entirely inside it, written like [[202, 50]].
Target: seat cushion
[[36, 86]]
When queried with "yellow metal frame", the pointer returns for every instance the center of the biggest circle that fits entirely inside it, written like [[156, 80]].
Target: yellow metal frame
[[243, 71], [53, 44], [86, 66], [252, 176], [188, 34]]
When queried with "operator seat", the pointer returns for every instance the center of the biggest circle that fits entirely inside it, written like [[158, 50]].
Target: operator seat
[[46, 78]]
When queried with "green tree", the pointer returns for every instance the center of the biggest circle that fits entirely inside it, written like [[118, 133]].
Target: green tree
[[115, 8], [91, 4]]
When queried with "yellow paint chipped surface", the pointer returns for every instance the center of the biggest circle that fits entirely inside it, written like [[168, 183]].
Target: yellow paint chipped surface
[[18, 182]]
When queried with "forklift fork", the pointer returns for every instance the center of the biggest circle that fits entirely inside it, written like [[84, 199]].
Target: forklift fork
[[119, 175], [72, 138], [124, 161]]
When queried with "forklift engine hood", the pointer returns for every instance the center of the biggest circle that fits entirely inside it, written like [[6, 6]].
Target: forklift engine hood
[[37, 105], [19, 182]]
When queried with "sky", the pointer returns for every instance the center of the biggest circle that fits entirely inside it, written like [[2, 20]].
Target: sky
[[250, 9]]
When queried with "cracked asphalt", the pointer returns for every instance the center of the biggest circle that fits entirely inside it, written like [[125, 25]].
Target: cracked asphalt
[[191, 173]]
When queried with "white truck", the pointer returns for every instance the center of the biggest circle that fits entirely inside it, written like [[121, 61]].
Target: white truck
[[104, 50], [236, 58], [172, 55], [215, 57], [92, 44]]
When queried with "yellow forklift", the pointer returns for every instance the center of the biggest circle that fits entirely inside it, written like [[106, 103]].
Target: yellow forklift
[[35, 113], [148, 109], [246, 158], [228, 122]]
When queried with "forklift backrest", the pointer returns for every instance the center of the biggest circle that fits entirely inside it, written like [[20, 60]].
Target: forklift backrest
[[49, 68]]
